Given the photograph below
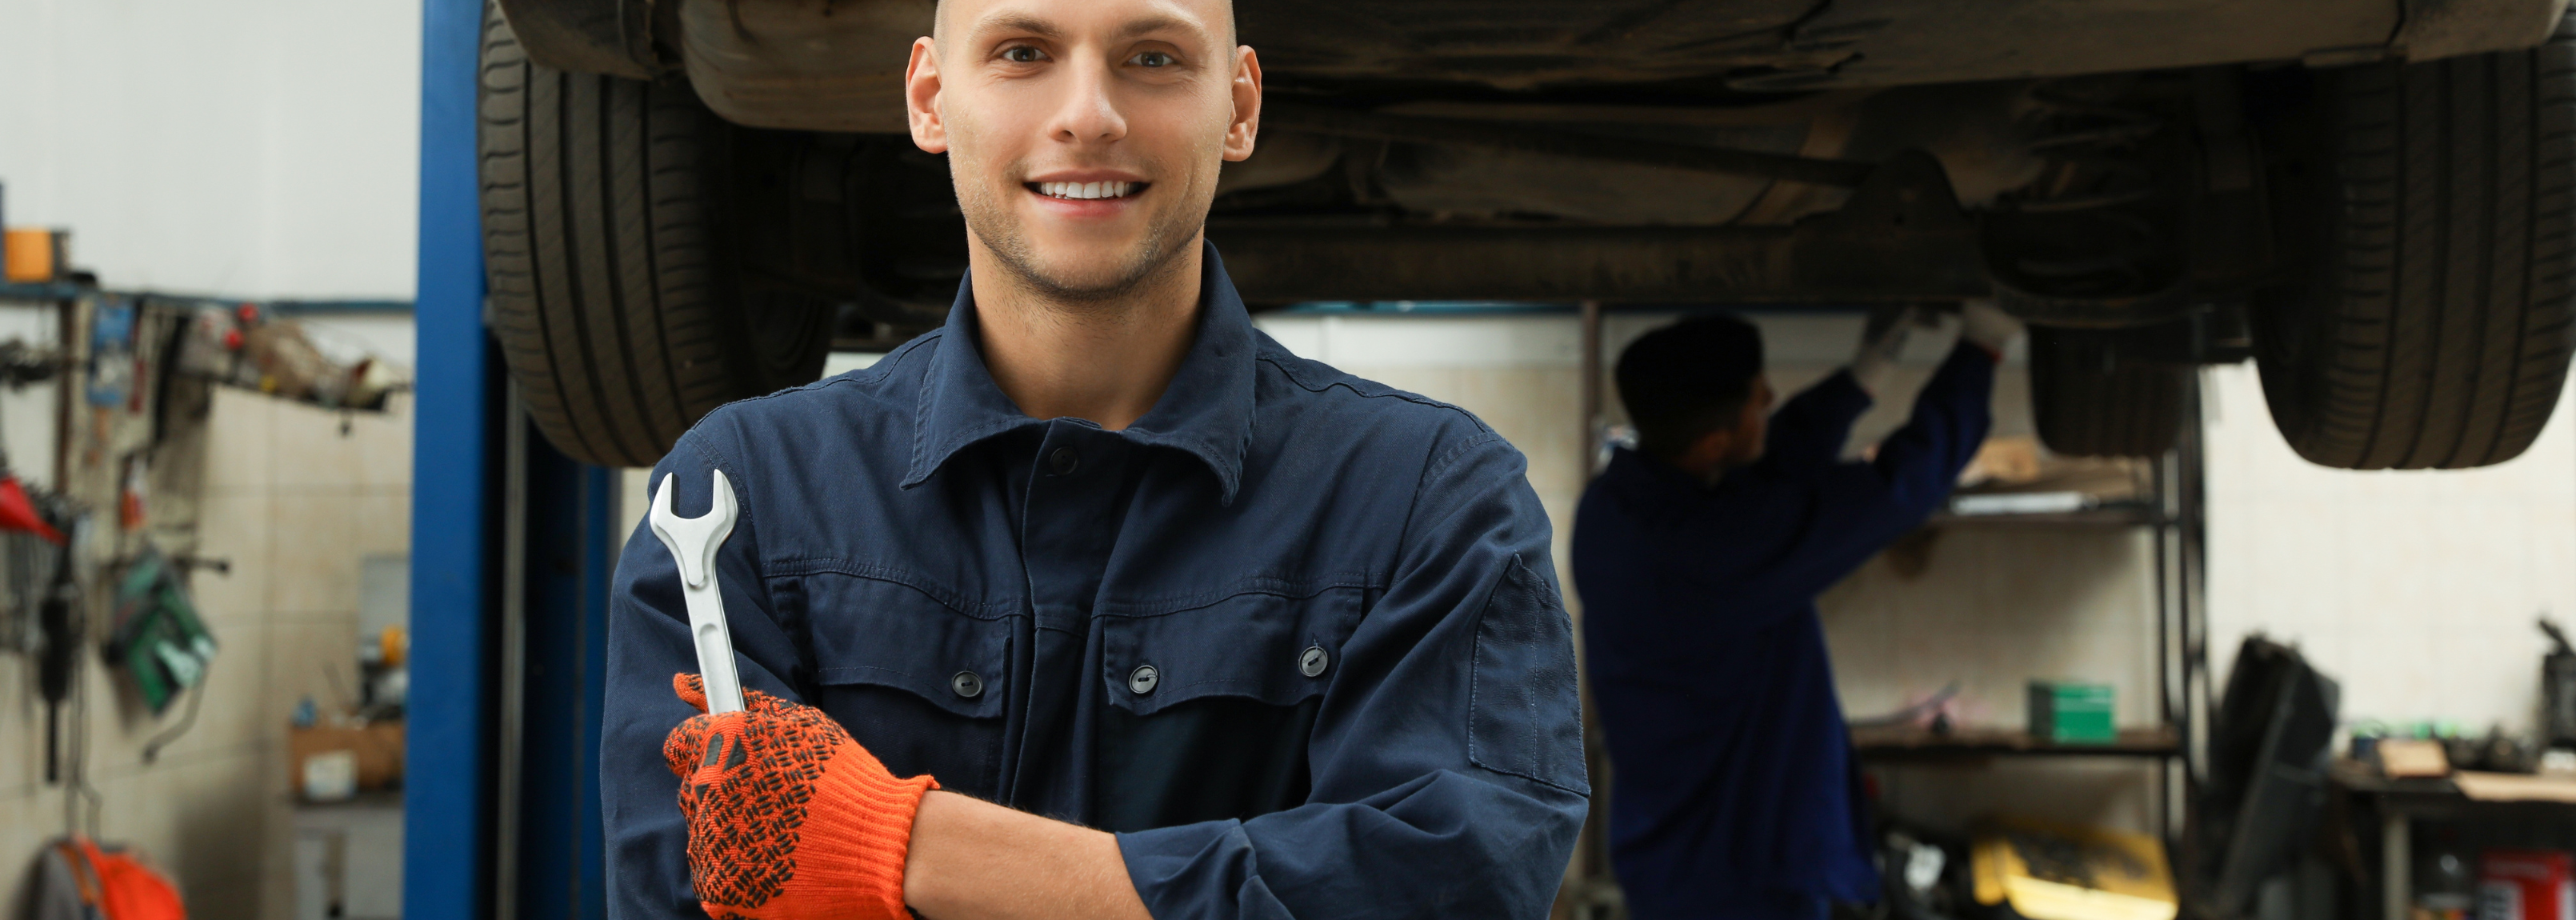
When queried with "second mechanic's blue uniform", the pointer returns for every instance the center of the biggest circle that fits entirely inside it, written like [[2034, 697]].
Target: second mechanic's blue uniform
[[1293, 635], [1733, 793]]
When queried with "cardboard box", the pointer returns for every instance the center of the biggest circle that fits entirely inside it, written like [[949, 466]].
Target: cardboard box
[[2409, 758], [378, 747], [32, 255], [2527, 885]]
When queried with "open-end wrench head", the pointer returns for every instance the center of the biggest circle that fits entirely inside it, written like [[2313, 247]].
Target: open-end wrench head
[[693, 541]]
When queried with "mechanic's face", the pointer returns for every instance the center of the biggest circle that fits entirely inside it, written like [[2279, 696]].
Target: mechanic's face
[[1735, 446], [1753, 429], [1084, 136]]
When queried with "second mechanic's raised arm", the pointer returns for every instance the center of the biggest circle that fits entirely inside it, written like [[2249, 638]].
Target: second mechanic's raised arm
[[1811, 427]]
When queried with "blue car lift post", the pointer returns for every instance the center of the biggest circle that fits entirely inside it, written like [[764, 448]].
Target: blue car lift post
[[511, 549]]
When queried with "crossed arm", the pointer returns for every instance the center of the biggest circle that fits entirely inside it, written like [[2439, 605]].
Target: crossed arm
[[974, 860], [1424, 795]]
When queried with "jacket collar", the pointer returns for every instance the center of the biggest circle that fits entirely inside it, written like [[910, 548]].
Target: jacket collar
[[1205, 412], [1644, 480]]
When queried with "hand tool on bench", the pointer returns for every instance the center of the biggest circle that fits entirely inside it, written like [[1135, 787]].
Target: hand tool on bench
[[693, 543]]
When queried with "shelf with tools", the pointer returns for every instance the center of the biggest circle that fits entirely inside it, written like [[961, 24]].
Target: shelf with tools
[[2119, 514], [1906, 743], [2162, 497], [2017, 486]]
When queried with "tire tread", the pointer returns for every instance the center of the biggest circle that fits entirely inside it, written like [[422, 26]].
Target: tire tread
[[2442, 336], [600, 250]]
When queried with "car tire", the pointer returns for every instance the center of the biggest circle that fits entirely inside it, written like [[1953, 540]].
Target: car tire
[[2430, 328], [2087, 400], [618, 313]]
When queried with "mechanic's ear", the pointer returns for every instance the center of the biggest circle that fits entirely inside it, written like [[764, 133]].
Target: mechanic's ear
[[1247, 105], [921, 97]]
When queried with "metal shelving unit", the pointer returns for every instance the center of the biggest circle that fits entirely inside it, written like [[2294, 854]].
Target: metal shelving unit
[[1900, 745], [2173, 507]]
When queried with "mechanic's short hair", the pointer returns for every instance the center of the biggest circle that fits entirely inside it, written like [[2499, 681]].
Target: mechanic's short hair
[[1687, 379]]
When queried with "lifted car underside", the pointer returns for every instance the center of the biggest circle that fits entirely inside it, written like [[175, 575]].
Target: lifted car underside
[[2157, 183]]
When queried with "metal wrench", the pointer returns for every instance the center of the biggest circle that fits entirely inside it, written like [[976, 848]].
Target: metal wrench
[[693, 543]]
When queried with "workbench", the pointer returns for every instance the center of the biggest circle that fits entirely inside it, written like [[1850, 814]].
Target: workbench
[[2399, 803]]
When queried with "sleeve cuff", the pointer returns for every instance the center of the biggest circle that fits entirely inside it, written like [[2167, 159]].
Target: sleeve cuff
[[1198, 870]]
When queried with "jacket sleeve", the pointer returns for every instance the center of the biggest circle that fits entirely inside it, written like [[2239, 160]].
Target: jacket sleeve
[[1447, 758], [1921, 462], [1811, 427], [1816, 524], [648, 642]]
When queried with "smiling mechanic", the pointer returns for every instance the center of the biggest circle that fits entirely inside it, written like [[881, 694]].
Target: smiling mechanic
[[1097, 602]]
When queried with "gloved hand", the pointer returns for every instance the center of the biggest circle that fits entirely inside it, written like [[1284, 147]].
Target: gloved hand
[[1881, 342], [789, 819], [1987, 326]]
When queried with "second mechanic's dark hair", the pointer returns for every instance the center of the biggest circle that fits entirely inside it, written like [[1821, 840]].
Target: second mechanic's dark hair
[[1688, 379]]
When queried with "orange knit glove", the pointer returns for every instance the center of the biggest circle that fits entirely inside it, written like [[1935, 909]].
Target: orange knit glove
[[789, 819]]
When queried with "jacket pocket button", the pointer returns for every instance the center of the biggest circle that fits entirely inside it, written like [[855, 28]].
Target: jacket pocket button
[[966, 685], [1313, 661], [1142, 680]]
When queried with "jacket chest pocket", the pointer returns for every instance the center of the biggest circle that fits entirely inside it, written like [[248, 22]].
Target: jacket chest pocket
[[917, 682], [1210, 708]]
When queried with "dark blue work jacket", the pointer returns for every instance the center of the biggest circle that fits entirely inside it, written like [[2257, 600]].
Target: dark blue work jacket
[[1732, 782], [1293, 635]]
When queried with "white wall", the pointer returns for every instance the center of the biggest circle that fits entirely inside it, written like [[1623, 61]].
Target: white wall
[[2416, 590], [254, 149]]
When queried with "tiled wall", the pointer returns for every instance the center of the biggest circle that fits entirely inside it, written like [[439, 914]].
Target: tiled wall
[[295, 504]]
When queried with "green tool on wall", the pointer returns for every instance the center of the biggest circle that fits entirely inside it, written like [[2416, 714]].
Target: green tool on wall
[[159, 640]]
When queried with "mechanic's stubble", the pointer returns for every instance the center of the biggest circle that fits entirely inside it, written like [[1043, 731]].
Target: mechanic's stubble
[[1024, 94]]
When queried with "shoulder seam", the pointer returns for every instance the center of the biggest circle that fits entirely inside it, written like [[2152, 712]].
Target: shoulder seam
[[743, 518], [1441, 461], [1391, 392]]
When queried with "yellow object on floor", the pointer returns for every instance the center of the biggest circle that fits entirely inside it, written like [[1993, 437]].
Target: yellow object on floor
[[2060, 872]]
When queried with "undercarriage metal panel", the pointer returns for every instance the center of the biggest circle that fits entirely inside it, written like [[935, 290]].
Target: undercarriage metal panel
[[815, 65], [1901, 238], [2449, 28], [1894, 42], [612, 37], [1519, 44]]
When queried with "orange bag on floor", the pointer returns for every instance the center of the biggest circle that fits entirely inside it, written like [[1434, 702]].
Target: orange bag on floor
[[117, 885]]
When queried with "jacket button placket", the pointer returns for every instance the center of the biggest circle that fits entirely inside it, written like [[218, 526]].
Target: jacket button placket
[[1067, 531]]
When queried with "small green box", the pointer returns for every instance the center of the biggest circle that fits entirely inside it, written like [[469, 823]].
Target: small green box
[[2071, 712]]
